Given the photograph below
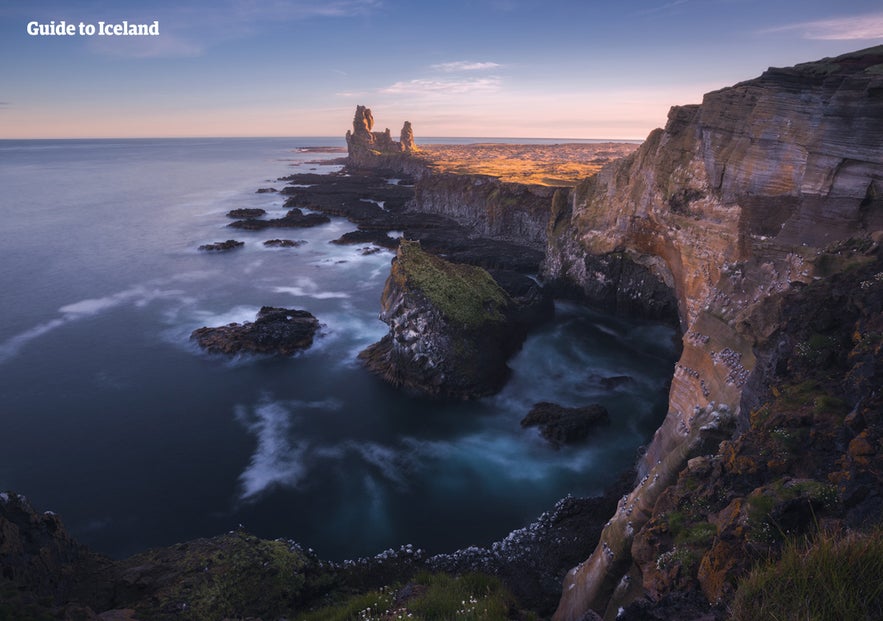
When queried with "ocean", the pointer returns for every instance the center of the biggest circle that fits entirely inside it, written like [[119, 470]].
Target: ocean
[[111, 417]]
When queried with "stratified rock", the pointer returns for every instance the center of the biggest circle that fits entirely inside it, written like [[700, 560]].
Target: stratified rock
[[280, 331], [560, 425], [246, 212], [284, 243], [450, 328], [730, 208], [230, 244]]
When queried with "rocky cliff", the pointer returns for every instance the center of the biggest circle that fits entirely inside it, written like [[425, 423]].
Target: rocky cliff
[[763, 189]]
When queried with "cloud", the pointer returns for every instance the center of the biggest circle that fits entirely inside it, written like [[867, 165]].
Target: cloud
[[858, 27], [465, 65], [432, 87], [661, 8], [187, 32]]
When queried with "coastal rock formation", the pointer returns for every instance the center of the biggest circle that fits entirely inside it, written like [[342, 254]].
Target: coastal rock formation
[[407, 138], [763, 189], [560, 425], [451, 328], [280, 331], [365, 147], [294, 218]]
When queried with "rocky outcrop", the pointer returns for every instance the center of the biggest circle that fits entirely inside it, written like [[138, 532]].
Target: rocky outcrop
[[222, 246], [294, 218], [365, 147], [246, 212], [730, 208], [42, 565], [452, 328], [279, 331], [560, 425]]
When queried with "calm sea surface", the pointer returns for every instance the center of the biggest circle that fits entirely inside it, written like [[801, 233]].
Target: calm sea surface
[[112, 418]]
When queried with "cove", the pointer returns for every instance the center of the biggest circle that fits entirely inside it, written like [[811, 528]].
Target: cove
[[116, 421]]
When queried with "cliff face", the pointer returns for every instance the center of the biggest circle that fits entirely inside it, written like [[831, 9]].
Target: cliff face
[[729, 207], [509, 211]]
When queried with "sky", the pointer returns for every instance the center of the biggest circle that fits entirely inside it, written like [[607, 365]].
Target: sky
[[466, 68]]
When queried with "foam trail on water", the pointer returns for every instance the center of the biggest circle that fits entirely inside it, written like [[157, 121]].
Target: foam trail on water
[[139, 296], [307, 287], [276, 460]]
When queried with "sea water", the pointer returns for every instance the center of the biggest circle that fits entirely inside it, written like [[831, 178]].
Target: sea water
[[113, 418]]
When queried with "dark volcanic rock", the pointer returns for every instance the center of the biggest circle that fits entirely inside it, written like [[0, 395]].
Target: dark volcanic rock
[[295, 218], [279, 331], [266, 190], [284, 243], [246, 213], [379, 238], [230, 244], [560, 425]]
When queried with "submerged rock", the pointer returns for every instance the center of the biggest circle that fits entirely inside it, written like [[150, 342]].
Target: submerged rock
[[284, 243], [280, 331], [560, 425], [230, 244]]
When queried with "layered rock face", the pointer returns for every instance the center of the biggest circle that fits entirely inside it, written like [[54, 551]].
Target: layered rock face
[[729, 207], [492, 208], [452, 327]]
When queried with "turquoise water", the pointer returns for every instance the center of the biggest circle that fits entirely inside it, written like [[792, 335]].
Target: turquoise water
[[113, 419]]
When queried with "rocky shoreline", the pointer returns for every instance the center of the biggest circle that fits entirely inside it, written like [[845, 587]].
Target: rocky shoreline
[[763, 244]]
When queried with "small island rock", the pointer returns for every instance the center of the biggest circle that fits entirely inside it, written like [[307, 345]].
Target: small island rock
[[279, 331], [230, 244], [560, 425]]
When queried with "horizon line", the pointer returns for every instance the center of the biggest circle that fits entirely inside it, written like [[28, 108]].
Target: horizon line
[[426, 141]]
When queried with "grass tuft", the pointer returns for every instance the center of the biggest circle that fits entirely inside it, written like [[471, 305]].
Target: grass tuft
[[828, 578]]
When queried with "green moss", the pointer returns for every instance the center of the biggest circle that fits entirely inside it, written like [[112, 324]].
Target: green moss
[[464, 294], [829, 578]]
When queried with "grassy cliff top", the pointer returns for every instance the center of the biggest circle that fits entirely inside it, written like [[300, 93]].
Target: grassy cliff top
[[464, 294], [542, 164]]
